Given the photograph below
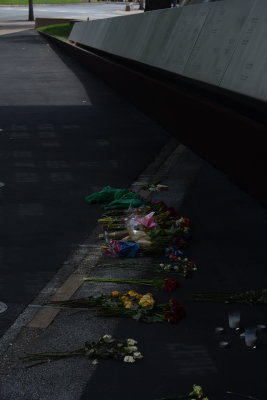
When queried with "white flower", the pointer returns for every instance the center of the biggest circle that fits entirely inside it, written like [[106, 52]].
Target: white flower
[[131, 348], [108, 338], [131, 342], [176, 268], [161, 265], [94, 362], [153, 189], [129, 359], [137, 354]]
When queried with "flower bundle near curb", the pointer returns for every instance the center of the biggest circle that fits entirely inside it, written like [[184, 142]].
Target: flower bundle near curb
[[105, 348], [141, 307], [145, 230], [196, 394], [182, 266], [165, 284], [251, 297], [151, 187]]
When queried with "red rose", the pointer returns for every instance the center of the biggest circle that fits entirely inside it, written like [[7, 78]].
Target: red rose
[[170, 284], [176, 313]]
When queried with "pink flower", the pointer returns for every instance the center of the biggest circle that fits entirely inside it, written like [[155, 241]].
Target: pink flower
[[147, 221], [113, 248]]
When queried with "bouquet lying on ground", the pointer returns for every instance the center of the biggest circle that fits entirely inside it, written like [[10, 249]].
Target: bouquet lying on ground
[[250, 297], [197, 393], [165, 284], [144, 228], [182, 266], [106, 347], [147, 228], [113, 198], [132, 249], [131, 304]]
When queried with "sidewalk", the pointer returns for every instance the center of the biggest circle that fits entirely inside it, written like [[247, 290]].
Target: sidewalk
[[6, 28], [228, 244]]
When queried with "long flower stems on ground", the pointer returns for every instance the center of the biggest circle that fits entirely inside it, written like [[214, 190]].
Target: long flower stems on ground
[[147, 282], [181, 271], [250, 297], [47, 357], [242, 395]]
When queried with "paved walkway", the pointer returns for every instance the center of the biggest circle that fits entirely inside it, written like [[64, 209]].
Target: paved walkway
[[7, 28], [63, 134], [54, 150]]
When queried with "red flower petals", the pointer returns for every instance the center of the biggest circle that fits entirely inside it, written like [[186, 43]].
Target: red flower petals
[[170, 284], [174, 311]]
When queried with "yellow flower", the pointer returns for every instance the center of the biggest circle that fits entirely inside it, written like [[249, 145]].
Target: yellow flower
[[128, 304], [197, 391], [124, 298], [115, 293], [146, 300], [132, 293]]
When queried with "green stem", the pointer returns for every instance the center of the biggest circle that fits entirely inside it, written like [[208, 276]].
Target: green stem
[[148, 282], [212, 293], [145, 269], [242, 395]]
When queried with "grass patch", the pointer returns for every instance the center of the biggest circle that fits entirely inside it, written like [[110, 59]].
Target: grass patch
[[60, 31]]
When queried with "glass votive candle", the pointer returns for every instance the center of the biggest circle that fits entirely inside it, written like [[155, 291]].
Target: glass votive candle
[[251, 337], [234, 319], [219, 329]]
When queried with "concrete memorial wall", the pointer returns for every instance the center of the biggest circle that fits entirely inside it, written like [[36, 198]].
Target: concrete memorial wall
[[247, 72], [222, 43]]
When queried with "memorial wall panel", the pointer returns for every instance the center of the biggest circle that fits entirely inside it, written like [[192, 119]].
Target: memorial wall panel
[[182, 37], [222, 43], [247, 72], [217, 40]]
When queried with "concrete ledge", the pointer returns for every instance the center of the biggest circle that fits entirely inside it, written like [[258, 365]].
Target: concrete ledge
[[52, 21]]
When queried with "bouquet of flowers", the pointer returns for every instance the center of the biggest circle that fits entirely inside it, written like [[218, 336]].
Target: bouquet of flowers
[[115, 198], [132, 249], [181, 266], [151, 187], [197, 393], [145, 227], [141, 307], [250, 297], [165, 284], [105, 348]]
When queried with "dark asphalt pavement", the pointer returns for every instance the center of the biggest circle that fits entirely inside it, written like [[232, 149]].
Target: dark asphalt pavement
[[57, 149], [63, 135], [228, 243]]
